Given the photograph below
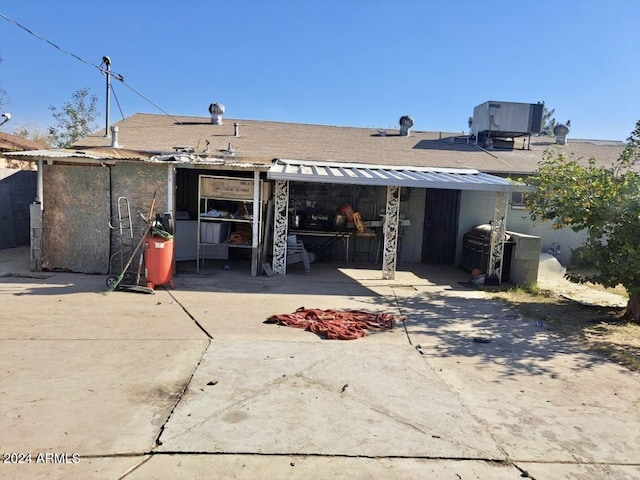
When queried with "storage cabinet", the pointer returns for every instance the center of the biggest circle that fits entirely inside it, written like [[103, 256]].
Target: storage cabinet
[[228, 214]]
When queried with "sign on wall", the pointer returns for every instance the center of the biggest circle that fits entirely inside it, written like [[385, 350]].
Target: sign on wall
[[226, 188]]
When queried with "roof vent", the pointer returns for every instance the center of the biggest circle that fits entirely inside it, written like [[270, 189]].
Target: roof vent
[[216, 110], [561, 131], [406, 122], [114, 137]]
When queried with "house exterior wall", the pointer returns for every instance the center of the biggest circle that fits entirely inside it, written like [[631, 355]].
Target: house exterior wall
[[137, 182], [518, 220], [80, 202], [477, 208], [75, 230]]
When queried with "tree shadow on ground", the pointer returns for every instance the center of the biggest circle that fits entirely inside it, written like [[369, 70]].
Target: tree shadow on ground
[[602, 329], [488, 332]]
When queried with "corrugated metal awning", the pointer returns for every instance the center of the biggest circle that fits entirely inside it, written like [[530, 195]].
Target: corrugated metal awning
[[66, 154], [364, 174]]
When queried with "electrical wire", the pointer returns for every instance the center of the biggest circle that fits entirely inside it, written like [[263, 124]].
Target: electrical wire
[[117, 101], [145, 98], [115, 75], [40, 37]]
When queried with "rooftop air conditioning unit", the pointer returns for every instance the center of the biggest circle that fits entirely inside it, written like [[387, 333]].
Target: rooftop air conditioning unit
[[506, 119]]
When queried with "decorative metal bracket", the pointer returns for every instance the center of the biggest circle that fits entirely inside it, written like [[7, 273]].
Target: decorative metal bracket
[[280, 222], [390, 233], [498, 228]]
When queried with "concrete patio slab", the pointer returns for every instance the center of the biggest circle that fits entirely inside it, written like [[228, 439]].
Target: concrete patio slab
[[251, 467], [471, 389], [86, 468], [338, 398], [232, 316], [91, 397], [70, 306], [541, 397], [573, 471]]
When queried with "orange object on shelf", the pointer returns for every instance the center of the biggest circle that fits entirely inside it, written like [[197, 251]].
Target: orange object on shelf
[[158, 260]]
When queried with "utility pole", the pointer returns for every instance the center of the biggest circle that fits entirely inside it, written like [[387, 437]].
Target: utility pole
[[106, 61]]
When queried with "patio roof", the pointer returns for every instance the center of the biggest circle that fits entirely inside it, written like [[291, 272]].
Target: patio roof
[[364, 174]]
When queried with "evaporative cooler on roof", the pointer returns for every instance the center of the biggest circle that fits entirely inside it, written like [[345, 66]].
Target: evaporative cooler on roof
[[506, 120]]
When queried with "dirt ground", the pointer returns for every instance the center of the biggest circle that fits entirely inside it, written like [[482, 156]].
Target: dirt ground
[[601, 327]]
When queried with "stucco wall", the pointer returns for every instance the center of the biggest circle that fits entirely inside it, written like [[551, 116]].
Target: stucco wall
[[477, 208], [137, 182], [518, 220]]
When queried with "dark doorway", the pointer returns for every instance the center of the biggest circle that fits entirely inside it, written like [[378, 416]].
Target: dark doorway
[[442, 208]]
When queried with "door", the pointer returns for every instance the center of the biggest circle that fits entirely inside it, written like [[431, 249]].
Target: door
[[442, 208]]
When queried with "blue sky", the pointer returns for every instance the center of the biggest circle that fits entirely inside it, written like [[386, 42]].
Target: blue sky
[[350, 62]]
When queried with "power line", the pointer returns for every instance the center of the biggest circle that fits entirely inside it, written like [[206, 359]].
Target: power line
[[67, 52], [145, 98], [117, 101], [115, 75]]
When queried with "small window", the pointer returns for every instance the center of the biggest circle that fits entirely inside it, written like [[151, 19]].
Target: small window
[[518, 200]]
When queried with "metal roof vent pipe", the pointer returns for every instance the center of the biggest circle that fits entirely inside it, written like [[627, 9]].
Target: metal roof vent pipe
[[216, 110], [236, 131], [561, 131], [114, 137], [406, 122]]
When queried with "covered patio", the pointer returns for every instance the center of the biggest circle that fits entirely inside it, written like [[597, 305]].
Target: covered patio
[[284, 171]]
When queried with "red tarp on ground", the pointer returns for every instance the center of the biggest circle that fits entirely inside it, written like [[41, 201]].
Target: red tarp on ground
[[335, 324]]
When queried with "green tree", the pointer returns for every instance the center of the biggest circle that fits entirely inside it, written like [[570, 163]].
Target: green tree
[[548, 121], [75, 119], [606, 202], [29, 132]]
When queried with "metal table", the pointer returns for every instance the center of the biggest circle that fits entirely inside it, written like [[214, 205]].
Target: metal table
[[344, 236]]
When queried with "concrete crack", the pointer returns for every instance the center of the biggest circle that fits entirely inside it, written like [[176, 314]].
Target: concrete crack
[[404, 317], [204, 330], [158, 442]]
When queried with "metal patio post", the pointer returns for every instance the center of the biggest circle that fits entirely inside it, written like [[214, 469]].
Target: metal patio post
[[280, 221]]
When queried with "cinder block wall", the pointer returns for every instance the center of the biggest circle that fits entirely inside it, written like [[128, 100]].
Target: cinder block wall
[[35, 262], [525, 259]]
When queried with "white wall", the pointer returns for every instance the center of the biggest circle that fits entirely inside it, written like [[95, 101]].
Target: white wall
[[477, 208], [518, 220]]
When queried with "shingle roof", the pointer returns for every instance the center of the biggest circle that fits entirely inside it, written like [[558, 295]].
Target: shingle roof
[[260, 142], [13, 143]]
